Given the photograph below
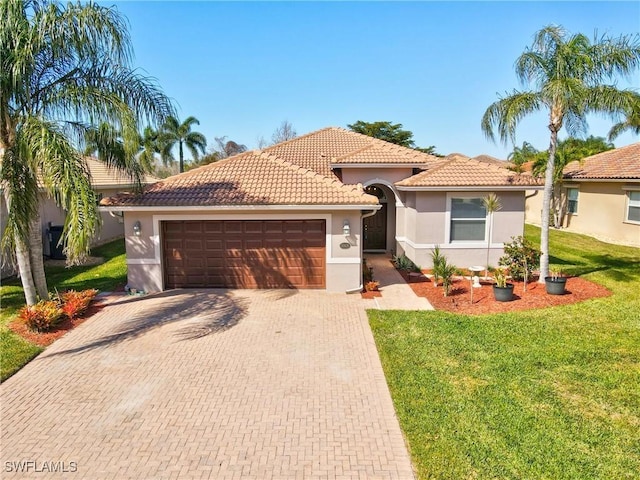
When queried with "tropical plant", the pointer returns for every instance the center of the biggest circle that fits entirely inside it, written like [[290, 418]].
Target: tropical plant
[[148, 149], [567, 151], [491, 204], [520, 257], [521, 155], [372, 286], [437, 260], [631, 121], [569, 75], [173, 132], [42, 316], [447, 271], [403, 262], [500, 277], [65, 70]]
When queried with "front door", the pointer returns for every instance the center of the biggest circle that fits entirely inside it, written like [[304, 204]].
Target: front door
[[375, 230]]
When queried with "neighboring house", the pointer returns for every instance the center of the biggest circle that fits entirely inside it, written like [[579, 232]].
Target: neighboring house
[[300, 214], [106, 182], [600, 197]]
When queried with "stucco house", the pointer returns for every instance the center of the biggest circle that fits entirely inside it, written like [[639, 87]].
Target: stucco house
[[106, 182], [300, 214], [600, 197]]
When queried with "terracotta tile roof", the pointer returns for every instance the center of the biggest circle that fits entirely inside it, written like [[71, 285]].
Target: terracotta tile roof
[[318, 150], [460, 171], [102, 175], [250, 178], [620, 163]]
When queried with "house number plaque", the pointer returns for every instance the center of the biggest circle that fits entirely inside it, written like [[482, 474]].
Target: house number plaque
[[345, 245]]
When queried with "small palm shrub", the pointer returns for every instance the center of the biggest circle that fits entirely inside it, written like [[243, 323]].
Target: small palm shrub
[[42, 316], [437, 258], [447, 271], [521, 258]]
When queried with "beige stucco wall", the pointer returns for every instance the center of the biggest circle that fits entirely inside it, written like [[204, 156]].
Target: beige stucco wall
[[602, 209], [426, 224], [366, 176], [50, 213], [384, 177], [144, 256]]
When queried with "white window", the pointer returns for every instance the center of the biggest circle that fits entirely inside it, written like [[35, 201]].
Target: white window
[[633, 208], [572, 200], [468, 220]]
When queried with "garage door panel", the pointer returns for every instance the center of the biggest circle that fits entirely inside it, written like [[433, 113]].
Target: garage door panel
[[245, 254]]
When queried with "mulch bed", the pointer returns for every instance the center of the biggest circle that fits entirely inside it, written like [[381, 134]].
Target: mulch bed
[[459, 299], [371, 294], [45, 339]]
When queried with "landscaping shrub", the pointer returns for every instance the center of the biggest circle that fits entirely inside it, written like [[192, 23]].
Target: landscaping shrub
[[438, 259], [520, 257], [446, 271], [42, 316], [74, 303], [372, 286], [405, 263]]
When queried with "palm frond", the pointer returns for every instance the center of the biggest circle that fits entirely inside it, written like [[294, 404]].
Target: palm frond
[[66, 178], [505, 114]]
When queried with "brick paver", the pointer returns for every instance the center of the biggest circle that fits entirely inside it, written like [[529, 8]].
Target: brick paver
[[208, 384]]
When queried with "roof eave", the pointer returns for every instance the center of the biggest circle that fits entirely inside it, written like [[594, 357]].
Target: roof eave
[[378, 165], [229, 208], [601, 179], [468, 188]]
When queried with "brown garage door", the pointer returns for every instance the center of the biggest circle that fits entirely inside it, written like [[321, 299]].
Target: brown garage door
[[244, 254]]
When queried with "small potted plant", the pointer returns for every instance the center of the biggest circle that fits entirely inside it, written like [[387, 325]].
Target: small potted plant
[[555, 282], [502, 290]]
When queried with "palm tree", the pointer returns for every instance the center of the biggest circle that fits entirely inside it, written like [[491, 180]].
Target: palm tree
[[173, 132], [631, 122], [149, 147], [65, 71], [491, 204], [521, 155], [569, 75]]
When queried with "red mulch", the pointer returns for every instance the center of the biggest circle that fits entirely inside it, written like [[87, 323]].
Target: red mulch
[[459, 299], [371, 294]]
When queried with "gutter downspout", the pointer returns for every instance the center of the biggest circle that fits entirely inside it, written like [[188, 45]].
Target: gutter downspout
[[362, 217]]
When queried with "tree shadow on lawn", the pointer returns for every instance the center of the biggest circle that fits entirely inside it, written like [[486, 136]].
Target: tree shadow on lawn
[[616, 268], [202, 311]]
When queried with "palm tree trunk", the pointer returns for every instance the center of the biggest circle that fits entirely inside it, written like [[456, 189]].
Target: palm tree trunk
[[24, 268], [546, 205], [181, 159], [35, 256], [24, 264]]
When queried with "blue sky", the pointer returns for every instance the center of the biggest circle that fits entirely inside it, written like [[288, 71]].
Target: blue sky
[[242, 68]]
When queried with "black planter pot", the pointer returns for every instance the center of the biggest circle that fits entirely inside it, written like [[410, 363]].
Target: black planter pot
[[555, 286], [503, 294]]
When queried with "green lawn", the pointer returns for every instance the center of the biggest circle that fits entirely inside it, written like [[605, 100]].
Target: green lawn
[[105, 277], [553, 393]]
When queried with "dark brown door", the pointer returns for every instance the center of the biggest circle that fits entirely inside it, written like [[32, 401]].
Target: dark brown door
[[375, 230], [244, 254]]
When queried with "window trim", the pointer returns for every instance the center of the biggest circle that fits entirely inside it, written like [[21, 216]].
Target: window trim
[[577, 200], [470, 243], [628, 205]]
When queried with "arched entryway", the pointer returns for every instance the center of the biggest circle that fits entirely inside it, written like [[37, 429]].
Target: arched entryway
[[374, 228]]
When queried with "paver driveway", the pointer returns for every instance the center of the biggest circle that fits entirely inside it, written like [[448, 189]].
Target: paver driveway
[[208, 384]]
